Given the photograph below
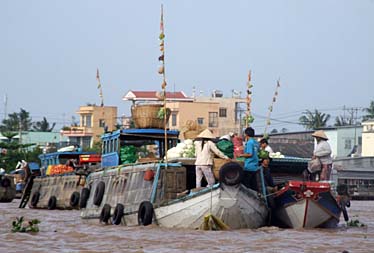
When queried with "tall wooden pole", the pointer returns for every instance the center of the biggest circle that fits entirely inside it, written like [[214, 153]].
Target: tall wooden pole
[[163, 86], [248, 115]]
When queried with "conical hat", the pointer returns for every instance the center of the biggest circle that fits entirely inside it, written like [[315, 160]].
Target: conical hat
[[320, 134], [207, 134]]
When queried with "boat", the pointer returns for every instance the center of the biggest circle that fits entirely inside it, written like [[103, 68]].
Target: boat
[[153, 191], [7, 188], [306, 204], [59, 187]]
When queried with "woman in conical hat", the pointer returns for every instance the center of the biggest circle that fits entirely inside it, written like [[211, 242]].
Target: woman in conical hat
[[323, 151], [205, 150]]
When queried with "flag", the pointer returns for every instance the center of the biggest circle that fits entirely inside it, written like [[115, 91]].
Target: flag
[[98, 79]]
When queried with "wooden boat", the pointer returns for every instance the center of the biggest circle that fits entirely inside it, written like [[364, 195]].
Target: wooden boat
[[7, 188], [142, 193], [307, 204], [60, 187]]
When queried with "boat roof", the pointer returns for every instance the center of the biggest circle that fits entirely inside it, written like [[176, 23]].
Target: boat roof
[[150, 133], [63, 154]]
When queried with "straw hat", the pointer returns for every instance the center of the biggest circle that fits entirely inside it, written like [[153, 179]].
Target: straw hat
[[207, 134], [320, 134]]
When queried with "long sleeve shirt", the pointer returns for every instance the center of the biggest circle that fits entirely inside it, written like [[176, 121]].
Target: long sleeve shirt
[[323, 152], [205, 155]]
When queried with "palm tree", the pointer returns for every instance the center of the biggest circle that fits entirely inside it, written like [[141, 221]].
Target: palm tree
[[43, 126], [314, 120], [370, 111], [17, 121], [341, 121]]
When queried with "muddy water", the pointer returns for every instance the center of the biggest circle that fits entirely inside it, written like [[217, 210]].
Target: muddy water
[[65, 231]]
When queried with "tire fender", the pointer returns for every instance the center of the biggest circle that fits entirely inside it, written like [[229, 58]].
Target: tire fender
[[231, 173], [145, 213], [74, 199], [52, 203], [118, 214], [85, 194], [105, 213], [99, 193], [35, 199]]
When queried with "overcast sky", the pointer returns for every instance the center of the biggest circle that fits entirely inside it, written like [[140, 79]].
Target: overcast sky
[[322, 51]]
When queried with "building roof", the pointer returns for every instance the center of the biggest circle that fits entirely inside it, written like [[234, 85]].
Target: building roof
[[152, 96]]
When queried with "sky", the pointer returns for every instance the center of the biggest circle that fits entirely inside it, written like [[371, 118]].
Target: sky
[[322, 52]]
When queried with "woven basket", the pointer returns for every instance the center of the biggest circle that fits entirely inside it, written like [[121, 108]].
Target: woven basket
[[145, 116], [217, 164], [191, 134]]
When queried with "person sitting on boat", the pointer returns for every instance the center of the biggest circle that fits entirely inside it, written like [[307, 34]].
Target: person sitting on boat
[[250, 173], [205, 149], [264, 145], [323, 151]]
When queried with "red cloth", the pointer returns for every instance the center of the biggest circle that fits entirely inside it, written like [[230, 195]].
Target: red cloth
[[238, 146]]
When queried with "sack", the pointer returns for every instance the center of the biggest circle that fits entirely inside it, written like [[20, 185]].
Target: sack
[[314, 165]]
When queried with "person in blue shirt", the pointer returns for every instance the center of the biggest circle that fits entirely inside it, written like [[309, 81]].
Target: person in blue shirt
[[251, 148]]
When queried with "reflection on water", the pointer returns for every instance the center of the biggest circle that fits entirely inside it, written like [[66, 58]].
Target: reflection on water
[[64, 231]]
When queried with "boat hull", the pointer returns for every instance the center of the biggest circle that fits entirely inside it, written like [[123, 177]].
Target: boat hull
[[307, 205]]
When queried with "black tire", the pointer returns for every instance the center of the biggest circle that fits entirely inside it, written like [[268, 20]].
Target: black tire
[[118, 214], [231, 173], [105, 213], [5, 182], [35, 199], [52, 203], [99, 193], [74, 199], [85, 194], [145, 213]]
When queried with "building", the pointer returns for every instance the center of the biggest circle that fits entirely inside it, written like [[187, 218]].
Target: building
[[368, 138], [345, 141], [93, 122], [220, 114], [39, 139]]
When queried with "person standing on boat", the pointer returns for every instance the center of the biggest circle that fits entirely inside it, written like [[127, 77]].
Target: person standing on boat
[[251, 175], [205, 149], [323, 151]]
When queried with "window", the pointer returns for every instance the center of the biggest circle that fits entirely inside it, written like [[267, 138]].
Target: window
[[348, 144], [173, 119], [359, 140], [200, 121], [101, 123], [88, 121], [213, 119], [222, 112]]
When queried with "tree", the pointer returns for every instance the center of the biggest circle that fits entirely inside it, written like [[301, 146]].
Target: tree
[[9, 135], [314, 120], [370, 111], [17, 121], [43, 126], [341, 121]]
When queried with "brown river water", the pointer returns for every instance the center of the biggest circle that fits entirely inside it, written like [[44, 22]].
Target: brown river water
[[65, 231]]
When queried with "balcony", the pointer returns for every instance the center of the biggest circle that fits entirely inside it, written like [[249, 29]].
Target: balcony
[[77, 131]]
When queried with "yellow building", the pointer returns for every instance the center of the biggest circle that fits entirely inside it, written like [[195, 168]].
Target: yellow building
[[93, 120], [368, 138], [220, 114]]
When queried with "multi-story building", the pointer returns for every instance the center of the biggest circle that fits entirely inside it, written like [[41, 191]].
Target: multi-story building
[[220, 114], [93, 122]]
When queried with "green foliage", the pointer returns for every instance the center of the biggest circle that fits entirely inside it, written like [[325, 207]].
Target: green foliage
[[17, 152], [161, 113], [369, 111], [17, 121], [19, 225], [314, 120], [96, 147], [248, 119], [355, 223], [43, 126]]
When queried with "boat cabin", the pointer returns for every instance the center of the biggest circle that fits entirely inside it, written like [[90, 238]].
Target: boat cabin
[[128, 146]]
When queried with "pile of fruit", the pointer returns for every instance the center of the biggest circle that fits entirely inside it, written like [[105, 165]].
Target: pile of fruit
[[59, 169]]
